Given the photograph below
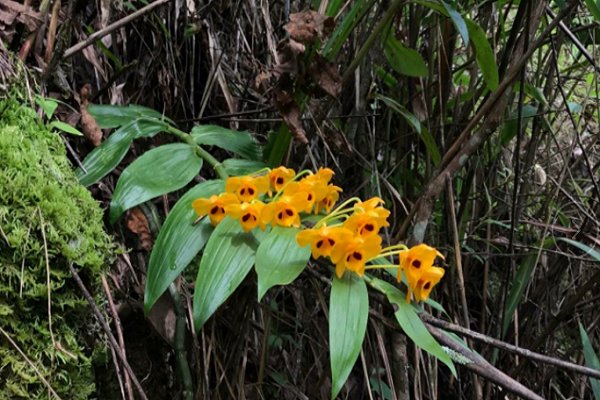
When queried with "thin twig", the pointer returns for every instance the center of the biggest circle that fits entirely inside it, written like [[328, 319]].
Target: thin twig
[[48, 283], [580, 369], [117, 323], [112, 27], [106, 328]]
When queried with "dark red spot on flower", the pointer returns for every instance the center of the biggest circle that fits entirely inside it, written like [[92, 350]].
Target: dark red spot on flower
[[279, 180], [416, 264], [251, 191], [280, 215], [289, 212], [214, 210], [427, 286], [357, 256], [310, 197], [331, 241], [319, 244], [369, 227], [243, 191], [246, 217]]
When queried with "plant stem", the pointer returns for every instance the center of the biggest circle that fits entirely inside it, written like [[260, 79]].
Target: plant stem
[[187, 138], [179, 345]]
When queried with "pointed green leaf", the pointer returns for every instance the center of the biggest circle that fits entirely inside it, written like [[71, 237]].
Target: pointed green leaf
[[237, 166], [49, 105], [158, 171], [458, 21], [424, 134], [104, 158], [591, 360], [108, 116], [348, 314], [178, 242], [404, 60], [279, 259], [594, 7], [227, 259], [587, 249], [63, 126], [240, 143], [484, 55], [412, 325], [520, 283]]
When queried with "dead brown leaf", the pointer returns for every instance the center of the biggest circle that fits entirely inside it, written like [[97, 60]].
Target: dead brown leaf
[[309, 26], [89, 126], [290, 112], [138, 224], [326, 76]]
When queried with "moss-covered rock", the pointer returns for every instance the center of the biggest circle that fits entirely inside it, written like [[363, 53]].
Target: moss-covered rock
[[44, 212]]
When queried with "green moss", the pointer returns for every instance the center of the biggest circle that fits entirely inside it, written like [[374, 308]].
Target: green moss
[[39, 195]]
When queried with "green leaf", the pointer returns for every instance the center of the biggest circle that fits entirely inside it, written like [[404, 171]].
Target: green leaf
[[279, 259], [109, 154], [412, 325], [509, 129], [519, 284], [341, 33], [178, 242], [227, 259], [237, 166], [424, 134], [484, 55], [458, 21], [587, 249], [594, 7], [404, 60], [108, 116], [48, 105], [240, 143], [65, 128], [158, 171], [434, 6], [348, 314], [591, 360]]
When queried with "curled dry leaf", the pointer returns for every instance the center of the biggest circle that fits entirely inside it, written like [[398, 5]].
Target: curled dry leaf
[[290, 112], [89, 126], [326, 76], [309, 26], [138, 224]]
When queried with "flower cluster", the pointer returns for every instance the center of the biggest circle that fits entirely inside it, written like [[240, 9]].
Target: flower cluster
[[348, 235]]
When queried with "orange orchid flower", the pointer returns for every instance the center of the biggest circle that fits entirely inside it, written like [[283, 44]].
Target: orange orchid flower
[[332, 195], [247, 188], [285, 211], [414, 262], [249, 214], [279, 176], [323, 239], [214, 206], [428, 280], [354, 253]]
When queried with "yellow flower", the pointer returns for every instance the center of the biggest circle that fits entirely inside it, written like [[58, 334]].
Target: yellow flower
[[247, 213], [332, 194], [310, 191], [323, 239], [364, 224], [323, 175], [247, 188], [352, 254], [278, 177], [428, 280], [284, 212], [372, 207], [214, 206], [415, 262]]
